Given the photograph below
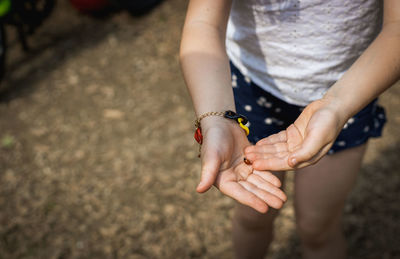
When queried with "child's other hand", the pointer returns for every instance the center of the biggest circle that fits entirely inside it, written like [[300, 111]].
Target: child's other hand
[[302, 144], [223, 165]]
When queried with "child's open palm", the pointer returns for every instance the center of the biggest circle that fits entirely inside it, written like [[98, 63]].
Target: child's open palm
[[223, 166], [303, 143]]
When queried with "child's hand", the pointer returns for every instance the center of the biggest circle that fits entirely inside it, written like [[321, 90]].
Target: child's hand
[[223, 166], [303, 143]]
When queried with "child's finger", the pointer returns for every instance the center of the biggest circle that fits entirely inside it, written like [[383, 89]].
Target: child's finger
[[268, 148], [311, 146], [267, 197], [315, 158], [272, 164], [263, 156], [269, 177], [266, 186], [239, 193], [274, 138], [209, 170]]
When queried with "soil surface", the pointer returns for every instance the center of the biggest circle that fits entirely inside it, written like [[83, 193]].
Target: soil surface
[[97, 157]]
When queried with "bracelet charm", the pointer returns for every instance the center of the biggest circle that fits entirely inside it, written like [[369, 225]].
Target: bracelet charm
[[240, 119], [198, 136]]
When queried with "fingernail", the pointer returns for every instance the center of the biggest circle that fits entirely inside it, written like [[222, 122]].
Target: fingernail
[[293, 161]]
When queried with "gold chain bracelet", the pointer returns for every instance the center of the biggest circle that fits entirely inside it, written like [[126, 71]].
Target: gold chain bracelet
[[240, 119], [207, 114]]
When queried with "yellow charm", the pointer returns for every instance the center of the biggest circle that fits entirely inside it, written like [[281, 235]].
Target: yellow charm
[[246, 129]]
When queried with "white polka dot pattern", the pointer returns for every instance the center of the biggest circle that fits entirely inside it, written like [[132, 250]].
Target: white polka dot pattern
[[268, 105], [261, 101], [248, 108], [253, 101], [268, 121], [234, 84]]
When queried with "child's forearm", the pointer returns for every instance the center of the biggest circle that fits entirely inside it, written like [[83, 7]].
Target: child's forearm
[[377, 69], [204, 61], [206, 71]]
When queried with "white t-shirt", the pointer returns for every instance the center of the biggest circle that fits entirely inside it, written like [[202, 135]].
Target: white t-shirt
[[296, 49]]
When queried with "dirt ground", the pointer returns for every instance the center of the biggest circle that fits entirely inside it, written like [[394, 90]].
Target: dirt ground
[[97, 158]]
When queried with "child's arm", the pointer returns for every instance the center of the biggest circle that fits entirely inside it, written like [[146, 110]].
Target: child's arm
[[206, 71], [203, 58], [314, 132]]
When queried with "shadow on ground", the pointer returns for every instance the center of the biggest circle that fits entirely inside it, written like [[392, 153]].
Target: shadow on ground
[[74, 33]]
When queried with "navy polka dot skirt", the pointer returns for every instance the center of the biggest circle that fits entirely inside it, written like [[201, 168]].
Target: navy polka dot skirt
[[268, 115]]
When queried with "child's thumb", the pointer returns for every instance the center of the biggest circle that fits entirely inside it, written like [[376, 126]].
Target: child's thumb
[[209, 171], [308, 151]]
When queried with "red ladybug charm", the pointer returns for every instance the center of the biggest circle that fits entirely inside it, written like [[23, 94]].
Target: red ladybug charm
[[198, 136]]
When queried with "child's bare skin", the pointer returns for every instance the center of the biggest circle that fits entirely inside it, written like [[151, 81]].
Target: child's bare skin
[[324, 185], [309, 138], [257, 189]]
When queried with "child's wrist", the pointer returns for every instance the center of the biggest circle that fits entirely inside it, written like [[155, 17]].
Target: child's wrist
[[338, 106], [217, 122], [218, 119]]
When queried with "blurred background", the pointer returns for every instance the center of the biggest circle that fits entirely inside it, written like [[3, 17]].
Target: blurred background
[[97, 157]]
